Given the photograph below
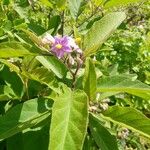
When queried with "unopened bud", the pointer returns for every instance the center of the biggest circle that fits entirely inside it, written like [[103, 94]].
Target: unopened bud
[[104, 106], [71, 60], [92, 108], [79, 60]]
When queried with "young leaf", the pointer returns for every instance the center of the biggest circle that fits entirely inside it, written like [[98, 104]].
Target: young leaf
[[130, 118], [103, 138], [90, 81], [69, 120], [53, 64], [23, 116], [100, 31], [122, 83]]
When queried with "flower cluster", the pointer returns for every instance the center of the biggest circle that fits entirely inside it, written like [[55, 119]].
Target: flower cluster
[[61, 45]]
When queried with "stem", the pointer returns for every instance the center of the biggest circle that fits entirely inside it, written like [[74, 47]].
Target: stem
[[75, 74], [26, 88], [62, 23]]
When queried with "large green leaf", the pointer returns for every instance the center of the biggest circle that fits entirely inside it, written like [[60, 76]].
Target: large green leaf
[[100, 31], [27, 139], [130, 118], [23, 116], [103, 138], [74, 6], [89, 80], [122, 83], [53, 64], [115, 3], [16, 49], [69, 121]]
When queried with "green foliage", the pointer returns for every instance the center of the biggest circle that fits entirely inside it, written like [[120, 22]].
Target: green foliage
[[100, 31], [103, 138], [122, 83], [130, 118], [74, 6], [15, 49], [113, 3], [53, 64], [94, 97], [90, 80], [23, 116], [69, 131]]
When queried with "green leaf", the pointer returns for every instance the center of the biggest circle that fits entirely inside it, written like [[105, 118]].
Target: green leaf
[[13, 81], [130, 118], [74, 6], [53, 64], [46, 3], [7, 93], [33, 37], [16, 49], [100, 31], [122, 83], [11, 66], [43, 76], [27, 139], [3, 95], [23, 116], [61, 4], [116, 3], [89, 80], [103, 138], [69, 120]]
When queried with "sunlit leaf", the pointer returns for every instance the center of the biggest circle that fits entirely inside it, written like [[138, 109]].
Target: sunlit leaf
[[23, 116], [89, 80], [100, 31], [116, 3], [69, 120], [53, 64], [130, 118], [122, 83], [74, 6], [43, 76], [103, 138], [16, 49]]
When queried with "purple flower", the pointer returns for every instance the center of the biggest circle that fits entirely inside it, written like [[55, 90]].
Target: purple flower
[[61, 46]]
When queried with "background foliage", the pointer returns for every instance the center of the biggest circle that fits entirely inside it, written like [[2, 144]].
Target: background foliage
[[103, 104]]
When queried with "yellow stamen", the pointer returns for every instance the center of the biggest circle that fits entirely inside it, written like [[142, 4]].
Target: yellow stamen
[[59, 46]]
